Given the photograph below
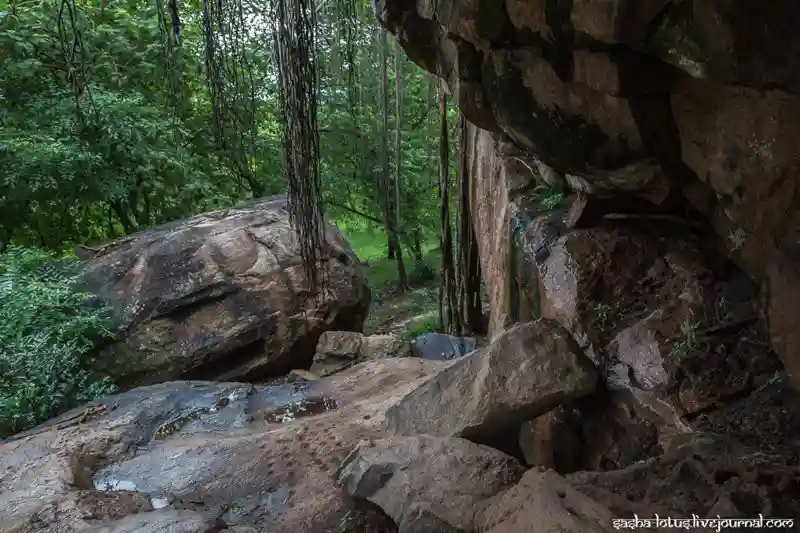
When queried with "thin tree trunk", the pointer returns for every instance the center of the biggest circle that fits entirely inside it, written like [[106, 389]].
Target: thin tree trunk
[[448, 305], [389, 182], [128, 224], [402, 284], [416, 246], [468, 269], [111, 233]]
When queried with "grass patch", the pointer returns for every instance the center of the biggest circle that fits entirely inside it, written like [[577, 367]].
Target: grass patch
[[411, 313], [428, 323], [381, 272], [368, 244]]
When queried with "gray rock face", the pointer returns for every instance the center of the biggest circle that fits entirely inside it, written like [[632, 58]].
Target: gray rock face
[[427, 484], [441, 347], [527, 371]]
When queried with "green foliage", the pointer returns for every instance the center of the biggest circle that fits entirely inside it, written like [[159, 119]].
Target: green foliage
[[428, 323], [47, 333], [687, 342], [422, 272], [120, 155], [549, 197], [143, 151], [371, 246]]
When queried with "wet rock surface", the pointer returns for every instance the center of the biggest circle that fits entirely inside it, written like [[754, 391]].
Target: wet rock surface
[[241, 454], [222, 296], [181, 521]]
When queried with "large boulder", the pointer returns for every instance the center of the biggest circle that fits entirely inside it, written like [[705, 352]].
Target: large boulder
[[674, 325], [245, 455], [223, 296], [526, 372]]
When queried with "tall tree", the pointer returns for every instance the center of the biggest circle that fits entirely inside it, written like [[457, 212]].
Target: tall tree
[[398, 176], [390, 180]]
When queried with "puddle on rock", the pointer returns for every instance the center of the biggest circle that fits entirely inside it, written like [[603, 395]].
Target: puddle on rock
[[159, 503], [111, 484], [175, 424], [300, 409]]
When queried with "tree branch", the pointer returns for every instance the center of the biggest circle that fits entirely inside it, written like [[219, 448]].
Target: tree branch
[[355, 212]]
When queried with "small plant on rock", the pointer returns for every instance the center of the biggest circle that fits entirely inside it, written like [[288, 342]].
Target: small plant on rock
[[687, 342], [233, 508], [550, 197], [737, 238], [47, 333], [348, 522], [602, 312]]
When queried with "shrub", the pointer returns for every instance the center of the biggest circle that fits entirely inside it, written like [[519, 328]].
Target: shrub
[[48, 332], [428, 323], [421, 272]]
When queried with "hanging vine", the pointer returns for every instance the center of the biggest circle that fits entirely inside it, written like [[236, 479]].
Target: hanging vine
[[169, 25], [231, 87], [295, 35], [346, 13], [70, 39]]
